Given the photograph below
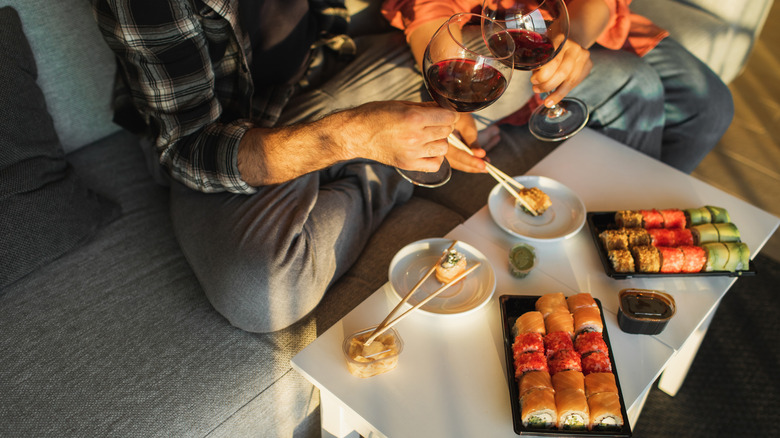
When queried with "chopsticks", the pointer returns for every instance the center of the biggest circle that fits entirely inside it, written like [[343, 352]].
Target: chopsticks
[[433, 295], [506, 181], [408, 295]]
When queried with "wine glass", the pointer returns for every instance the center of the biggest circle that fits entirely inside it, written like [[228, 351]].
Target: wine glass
[[539, 28], [463, 74]]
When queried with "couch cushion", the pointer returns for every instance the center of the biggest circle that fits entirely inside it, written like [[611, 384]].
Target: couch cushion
[[75, 67], [46, 210]]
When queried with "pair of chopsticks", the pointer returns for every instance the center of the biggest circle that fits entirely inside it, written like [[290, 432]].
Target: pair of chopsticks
[[506, 181], [387, 323]]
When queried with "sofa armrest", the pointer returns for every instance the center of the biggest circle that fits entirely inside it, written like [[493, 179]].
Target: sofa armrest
[[720, 33]]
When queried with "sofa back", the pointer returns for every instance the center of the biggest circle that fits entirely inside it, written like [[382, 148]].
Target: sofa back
[[75, 67]]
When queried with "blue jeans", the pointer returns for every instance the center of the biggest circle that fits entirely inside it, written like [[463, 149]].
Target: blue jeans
[[667, 104]]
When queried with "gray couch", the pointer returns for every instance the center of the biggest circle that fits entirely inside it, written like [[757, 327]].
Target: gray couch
[[115, 336]]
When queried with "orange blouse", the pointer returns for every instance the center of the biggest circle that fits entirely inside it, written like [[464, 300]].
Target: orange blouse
[[625, 30]]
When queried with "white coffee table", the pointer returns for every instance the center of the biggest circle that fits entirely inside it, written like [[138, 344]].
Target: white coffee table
[[451, 378]]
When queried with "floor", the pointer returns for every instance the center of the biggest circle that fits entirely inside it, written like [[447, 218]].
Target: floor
[[746, 162]]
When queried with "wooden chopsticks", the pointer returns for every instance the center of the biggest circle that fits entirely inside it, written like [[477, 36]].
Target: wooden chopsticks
[[385, 325], [506, 181]]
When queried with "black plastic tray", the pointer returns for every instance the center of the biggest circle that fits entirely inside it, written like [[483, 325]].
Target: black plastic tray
[[512, 306], [604, 220]]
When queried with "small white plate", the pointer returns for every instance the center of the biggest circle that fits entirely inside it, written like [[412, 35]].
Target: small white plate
[[411, 263], [563, 219]]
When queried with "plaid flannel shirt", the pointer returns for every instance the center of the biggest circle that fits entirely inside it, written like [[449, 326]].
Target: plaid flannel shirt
[[184, 66]]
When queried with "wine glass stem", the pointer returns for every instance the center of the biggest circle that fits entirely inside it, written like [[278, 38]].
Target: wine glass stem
[[555, 110]]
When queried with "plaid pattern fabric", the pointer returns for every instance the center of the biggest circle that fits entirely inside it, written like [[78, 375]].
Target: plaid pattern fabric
[[185, 68]]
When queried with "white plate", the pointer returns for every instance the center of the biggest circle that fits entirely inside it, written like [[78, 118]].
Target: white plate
[[563, 219], [411, 263]]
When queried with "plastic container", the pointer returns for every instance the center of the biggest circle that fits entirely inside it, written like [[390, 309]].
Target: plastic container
[[645, 311], [522, 259], [379, 357]]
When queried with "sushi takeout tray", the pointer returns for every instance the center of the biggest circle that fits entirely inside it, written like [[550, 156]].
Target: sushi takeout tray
[[512, 306], [604, 220]]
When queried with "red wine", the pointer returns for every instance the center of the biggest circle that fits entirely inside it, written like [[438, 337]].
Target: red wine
[[531, 49], [464, 85]]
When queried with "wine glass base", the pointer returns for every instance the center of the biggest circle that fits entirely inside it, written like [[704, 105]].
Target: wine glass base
[[428, 179], [547, 126]]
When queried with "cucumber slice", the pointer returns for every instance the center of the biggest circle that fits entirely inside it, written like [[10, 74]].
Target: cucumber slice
[[717, 256]]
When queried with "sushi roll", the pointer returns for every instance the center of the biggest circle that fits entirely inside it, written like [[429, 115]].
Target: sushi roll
[[590, 342], [704, 233], [614, 239], [647, 258], [587, 319], [560, 321], [534, 380], [557, 341], [694, 258], [662, 237], [717, 256], [533, 361], [538, 410], [739, 256], [527, 342], [628, 218], [583, 299], [573, 411], [637, 237], [621, 260], [596, 362], [452, 265], [564, 360], [727, 232], [596, 383], [566, 380], [552, 302], [682, 236], [672, 259], [535, 198], [719, 214], [697, 216], [652, 219], [673, 218], [530, 322], [605, 413]]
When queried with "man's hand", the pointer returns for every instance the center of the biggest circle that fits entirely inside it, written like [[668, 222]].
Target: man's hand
[[564, 72]]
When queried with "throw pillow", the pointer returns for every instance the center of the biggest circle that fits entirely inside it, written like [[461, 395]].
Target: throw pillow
[[45, 210]]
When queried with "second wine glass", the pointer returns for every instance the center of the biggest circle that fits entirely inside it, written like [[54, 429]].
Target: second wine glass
[[461, 72], [539, 29]]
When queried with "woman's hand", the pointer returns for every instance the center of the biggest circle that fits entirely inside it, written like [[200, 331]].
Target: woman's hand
[[564, 72]]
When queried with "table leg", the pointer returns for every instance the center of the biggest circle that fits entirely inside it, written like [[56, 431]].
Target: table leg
[[674, 374], [338, 421]]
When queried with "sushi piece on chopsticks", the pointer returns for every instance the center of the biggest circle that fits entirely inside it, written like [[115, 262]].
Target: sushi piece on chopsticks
[[530, 322], [538, 409], [605, 411], [452, 264], [573, 411]]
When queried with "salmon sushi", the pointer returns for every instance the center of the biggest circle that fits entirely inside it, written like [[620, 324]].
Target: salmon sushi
[[530, 322], [672, 259], [694, 258], [673, 218], [452, 265], [682, 236], [652, 219], [662, 237]]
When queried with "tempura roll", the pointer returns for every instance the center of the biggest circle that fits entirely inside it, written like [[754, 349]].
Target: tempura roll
[[614, 239], [573, 410], [622, 260], [647, 258], [637, 237], [628, 218], [538, 410], [605, 411]]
